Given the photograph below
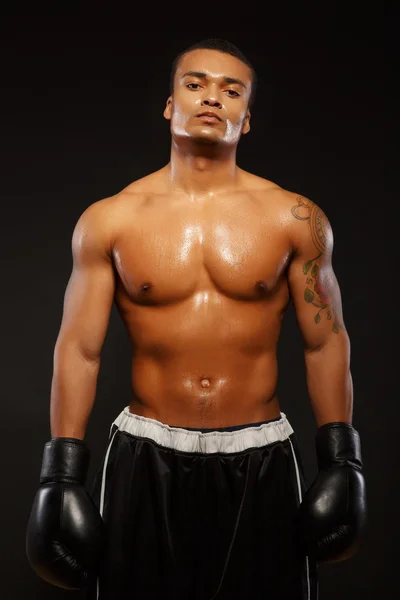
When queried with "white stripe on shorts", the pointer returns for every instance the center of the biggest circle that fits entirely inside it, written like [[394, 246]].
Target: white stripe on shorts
[[184, 440], [300, 501]]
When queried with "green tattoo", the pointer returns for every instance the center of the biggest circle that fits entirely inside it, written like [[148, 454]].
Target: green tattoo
[[320, 290]]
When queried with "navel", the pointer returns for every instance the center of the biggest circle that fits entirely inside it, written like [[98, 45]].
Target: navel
[[205, 383]]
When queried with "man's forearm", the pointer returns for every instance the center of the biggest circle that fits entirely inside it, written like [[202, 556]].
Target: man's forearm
[[73, 391], [329, 380]]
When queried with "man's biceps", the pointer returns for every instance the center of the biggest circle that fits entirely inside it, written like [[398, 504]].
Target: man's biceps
[[297, 282], [88, 296], [89, 283], [85, 330]]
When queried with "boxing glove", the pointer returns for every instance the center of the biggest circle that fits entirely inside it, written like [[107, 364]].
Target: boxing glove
[[333, 513], [65, 536]]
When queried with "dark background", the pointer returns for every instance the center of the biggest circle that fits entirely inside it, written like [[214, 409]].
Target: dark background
[[82, 117]]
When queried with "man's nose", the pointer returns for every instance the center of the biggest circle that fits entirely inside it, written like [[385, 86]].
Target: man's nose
[[211, 100]]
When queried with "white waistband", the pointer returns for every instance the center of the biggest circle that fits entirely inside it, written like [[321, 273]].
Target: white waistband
[[178, 438]]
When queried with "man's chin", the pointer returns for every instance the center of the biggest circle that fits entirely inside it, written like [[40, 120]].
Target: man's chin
[[205, 136], [200, 137], [205, 140]]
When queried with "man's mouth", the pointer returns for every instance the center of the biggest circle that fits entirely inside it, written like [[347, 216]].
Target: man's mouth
[[209, 117]]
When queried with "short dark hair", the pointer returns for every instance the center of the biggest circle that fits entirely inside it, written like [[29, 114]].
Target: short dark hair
[[221, 46]]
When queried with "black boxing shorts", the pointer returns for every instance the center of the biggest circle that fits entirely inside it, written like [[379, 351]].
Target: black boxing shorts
[[198, 514]]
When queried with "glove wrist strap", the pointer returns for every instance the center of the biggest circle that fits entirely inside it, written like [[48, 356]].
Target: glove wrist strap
[[65, 460], [338, 443]]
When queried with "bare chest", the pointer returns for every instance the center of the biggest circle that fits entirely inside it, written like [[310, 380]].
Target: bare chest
[[166, 253]]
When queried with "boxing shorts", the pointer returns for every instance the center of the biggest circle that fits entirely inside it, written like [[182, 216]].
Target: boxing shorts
[[201, 514]]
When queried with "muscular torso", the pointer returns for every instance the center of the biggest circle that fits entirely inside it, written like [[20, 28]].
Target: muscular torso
[[202, 290]]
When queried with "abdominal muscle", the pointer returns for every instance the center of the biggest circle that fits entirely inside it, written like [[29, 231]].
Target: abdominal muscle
[[221, 389]]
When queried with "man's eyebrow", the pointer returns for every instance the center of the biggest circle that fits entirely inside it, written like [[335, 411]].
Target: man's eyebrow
[[201, 75]]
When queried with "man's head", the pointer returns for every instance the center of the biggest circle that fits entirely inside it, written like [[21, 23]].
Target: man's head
[[211, 76]]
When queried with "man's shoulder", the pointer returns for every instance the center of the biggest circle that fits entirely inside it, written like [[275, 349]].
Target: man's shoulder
[[151, 183], [305, 221], [297, 212], [286, 199], [255, 183], [132, 194], [271, 191]]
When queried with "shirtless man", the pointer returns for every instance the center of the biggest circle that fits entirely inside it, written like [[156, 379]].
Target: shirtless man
[[201, 493]]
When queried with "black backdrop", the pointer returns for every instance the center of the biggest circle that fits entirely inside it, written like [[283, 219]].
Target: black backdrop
[[82, 117]]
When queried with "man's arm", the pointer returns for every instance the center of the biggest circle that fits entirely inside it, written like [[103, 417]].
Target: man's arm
[[317, 302], [87, 306], [333, 511], [66, 537]]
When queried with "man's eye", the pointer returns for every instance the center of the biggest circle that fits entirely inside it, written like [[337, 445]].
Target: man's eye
[[233, 93], [189, 84]]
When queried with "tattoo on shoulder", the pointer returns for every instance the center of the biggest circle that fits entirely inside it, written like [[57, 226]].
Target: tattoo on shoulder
[[320, 290], [306, 210]]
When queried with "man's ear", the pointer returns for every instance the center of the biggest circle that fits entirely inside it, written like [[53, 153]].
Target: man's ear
[[246, 123], [168, 109]]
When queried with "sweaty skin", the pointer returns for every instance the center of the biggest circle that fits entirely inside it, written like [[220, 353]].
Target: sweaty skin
[[202, 259], [202, 291]]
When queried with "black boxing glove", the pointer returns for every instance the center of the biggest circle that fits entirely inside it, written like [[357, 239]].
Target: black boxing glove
[[333, 513], [66, 535]]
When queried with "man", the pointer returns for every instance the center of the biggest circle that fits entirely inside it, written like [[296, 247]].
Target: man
[[201, 493]]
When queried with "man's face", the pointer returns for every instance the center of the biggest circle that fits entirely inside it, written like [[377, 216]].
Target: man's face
[[214, 82]]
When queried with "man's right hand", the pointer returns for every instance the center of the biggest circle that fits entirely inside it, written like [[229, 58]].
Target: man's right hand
[[66, 535]]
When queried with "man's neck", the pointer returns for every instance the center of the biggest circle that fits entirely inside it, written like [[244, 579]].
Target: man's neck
[[201, 173]]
